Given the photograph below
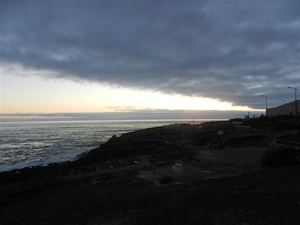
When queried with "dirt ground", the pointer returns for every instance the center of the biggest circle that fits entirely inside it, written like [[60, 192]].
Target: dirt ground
[[268, 196]]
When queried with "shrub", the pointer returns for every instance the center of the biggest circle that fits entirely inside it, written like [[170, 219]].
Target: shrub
[[165, 179], [281, 156]]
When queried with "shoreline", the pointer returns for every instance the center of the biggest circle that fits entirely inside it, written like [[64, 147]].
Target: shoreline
[[205, 127], [131, 175], [64, 157]]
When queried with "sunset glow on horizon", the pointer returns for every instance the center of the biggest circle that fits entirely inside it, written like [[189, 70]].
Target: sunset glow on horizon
[[40, 95]]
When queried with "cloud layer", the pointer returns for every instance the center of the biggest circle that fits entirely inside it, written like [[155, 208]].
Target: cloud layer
[[228, 50]]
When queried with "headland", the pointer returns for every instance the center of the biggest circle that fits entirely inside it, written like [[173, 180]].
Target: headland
[[213, 173]]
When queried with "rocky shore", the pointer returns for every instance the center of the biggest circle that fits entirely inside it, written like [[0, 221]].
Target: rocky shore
[[131, 179]]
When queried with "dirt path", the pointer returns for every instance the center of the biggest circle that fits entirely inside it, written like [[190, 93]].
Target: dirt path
[[229, 161], [235, 156]]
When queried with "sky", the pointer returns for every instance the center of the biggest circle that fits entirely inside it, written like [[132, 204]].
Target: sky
[[147, 58]]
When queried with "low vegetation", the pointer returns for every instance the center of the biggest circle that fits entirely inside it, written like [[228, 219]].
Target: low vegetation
[[280, 156], [165, 179]]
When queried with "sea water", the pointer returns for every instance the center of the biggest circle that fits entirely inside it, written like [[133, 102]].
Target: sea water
[[26, 144]]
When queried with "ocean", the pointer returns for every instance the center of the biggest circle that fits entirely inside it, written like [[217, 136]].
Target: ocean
[[27, 144]]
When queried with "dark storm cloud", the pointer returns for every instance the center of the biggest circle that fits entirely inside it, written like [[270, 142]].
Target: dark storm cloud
[[229, 50]]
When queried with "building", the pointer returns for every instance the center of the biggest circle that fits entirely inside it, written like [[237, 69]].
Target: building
[[286, 109]]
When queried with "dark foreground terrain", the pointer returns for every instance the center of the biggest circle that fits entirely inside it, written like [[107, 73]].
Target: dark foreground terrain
[[129, 179]]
